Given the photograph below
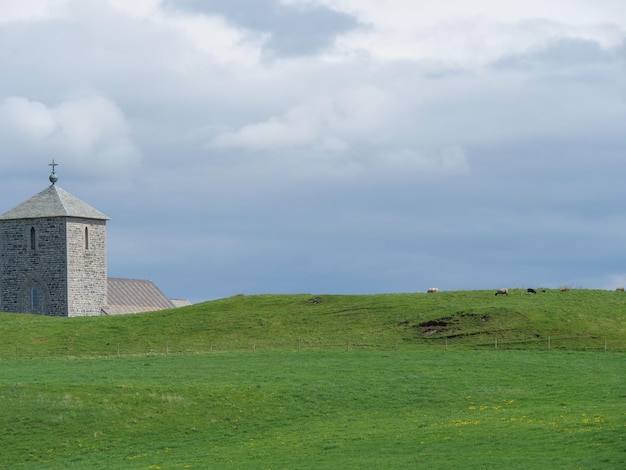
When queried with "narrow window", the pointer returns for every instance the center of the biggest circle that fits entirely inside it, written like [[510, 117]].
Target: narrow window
[[34, 298], [33, 243], [86, 238]]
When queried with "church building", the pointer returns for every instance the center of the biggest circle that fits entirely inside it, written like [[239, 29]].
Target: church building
[[53, 261]]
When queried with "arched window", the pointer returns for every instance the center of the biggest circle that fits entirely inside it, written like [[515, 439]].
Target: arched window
[[33, 239], [86, 238], [34, 298]]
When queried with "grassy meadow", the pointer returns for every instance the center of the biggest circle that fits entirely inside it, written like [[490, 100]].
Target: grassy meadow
[[574, 320], [306, 381]]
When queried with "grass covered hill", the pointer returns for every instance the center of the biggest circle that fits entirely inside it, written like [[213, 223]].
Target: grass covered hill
[[577, 319], [322, 381]]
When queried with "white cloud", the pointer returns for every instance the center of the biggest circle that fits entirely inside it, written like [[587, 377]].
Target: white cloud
[[31, 10], [291, 130], [402, 12], [213, 37], [31, 118], [324, 122], [87, 131], [209, 35], [474, 32], [141, 9]]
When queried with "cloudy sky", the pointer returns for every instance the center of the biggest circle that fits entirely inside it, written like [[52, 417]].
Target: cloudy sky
[[328, 146]]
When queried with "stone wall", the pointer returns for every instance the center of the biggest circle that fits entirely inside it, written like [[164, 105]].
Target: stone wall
[[33, 272], [61, 272], [87, 267]]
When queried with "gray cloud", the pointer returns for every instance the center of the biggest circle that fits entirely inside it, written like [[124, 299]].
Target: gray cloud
[[294, 29], [563, 52]]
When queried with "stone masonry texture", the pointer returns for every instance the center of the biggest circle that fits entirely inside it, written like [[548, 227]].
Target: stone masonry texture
[[61, 272]]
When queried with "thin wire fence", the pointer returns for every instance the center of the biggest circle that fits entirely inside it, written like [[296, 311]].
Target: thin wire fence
[[120, 349]]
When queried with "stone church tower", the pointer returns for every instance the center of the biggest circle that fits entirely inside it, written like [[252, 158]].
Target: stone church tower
[[53, 256]]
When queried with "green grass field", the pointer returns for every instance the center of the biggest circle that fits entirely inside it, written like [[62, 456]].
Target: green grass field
[[335, 382], [416, 409]]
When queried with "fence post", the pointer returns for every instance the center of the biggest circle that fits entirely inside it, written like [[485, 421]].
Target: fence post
[[446, 344], [496, 343], [210, 346], [118, 349], [167, 347]]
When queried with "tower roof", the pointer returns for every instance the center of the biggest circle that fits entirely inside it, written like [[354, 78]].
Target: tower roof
[[53, 202]]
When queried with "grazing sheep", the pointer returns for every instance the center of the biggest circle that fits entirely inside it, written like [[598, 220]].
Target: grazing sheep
[[432, 290], [502, 292], [620, 289], [531, 291]]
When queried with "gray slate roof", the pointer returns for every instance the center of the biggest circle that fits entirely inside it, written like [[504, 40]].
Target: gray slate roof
[[53, 202], [134, 296]]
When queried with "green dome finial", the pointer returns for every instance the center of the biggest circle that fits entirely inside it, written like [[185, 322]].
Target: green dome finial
[[53, 176]]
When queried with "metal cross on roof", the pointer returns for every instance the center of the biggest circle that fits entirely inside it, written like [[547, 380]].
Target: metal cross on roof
[[53, 177]]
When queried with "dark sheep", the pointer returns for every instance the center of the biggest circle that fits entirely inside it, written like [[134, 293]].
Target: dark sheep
[[531, 291]]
